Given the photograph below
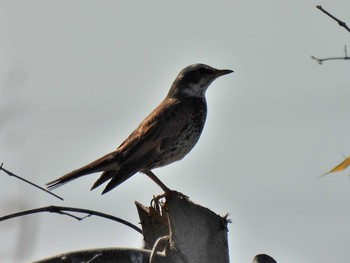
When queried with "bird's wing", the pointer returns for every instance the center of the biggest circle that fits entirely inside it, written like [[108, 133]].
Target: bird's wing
[[165, 121], [148, 140], [142, 146], [146, 143]]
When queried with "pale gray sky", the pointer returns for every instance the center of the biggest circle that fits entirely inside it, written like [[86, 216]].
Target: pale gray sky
[[78, 76]]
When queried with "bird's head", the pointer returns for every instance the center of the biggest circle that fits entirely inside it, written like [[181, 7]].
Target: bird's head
[[194, 80]]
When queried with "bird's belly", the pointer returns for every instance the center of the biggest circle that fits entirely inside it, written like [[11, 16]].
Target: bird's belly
[[179, 148], [175, 148], [177, 152]]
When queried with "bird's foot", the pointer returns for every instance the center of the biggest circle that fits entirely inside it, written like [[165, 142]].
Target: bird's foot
[[157, 201]]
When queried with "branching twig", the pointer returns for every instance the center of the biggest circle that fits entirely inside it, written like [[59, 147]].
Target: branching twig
[[320, 60], [63, 211], [341, 23], [28, 182]]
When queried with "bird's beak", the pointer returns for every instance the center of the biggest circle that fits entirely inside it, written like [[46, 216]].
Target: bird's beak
[[221, 72]]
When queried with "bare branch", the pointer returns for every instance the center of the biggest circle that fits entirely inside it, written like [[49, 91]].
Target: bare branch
[[28, 182], [63, 211], [341, 23], [320, 60]]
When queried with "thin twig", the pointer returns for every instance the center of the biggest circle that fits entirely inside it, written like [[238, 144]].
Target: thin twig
[[28, 182], [320, 60], [156, 246], [341, 23], [94, 257], [63, 211]]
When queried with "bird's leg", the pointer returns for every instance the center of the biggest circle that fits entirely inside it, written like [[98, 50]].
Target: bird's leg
[[167, 192], [155, 179], [155, 202]]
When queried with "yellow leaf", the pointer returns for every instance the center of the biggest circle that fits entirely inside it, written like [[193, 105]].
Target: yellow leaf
[[340, 167]]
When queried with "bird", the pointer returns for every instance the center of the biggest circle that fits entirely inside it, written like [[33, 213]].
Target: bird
[[166, 135]]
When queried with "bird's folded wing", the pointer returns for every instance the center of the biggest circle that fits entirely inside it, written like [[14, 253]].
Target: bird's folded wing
[[159, 128], [147, 142]]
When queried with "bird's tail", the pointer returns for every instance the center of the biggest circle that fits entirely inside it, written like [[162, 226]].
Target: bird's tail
[[69, 177], [115, 177], [105, 163]]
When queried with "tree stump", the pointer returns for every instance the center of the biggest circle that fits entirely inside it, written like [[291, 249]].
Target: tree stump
[[176, 230]]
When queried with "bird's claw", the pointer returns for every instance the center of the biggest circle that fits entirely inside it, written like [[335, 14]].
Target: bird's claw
[[157, 203]]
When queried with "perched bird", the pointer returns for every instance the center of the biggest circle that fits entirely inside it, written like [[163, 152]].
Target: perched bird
[[166, 135]]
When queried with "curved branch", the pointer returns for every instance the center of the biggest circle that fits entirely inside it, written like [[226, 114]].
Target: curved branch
[[101, 255], [63, 211]]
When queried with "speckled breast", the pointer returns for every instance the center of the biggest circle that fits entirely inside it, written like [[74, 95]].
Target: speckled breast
[[180, 146]]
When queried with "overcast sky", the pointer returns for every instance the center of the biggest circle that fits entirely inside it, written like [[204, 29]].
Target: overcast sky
[[76, 77]]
